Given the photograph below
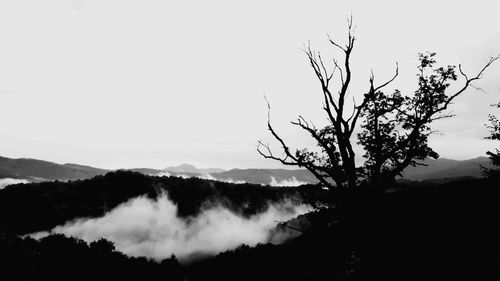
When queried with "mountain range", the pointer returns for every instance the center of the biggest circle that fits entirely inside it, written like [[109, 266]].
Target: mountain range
[[447, 168], [39, 170], [33, 170], [190, 169]]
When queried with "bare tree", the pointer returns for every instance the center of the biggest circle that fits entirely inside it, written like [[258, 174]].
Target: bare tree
[[395, 127]]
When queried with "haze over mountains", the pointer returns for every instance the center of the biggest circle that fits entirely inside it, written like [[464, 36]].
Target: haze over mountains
[[33, 170]]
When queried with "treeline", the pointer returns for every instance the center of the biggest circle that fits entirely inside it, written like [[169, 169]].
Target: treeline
[[57, 257], [28, 208]]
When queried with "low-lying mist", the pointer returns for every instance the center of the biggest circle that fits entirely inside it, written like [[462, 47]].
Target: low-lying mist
[[8, 181], [293, 181], [151, 228]]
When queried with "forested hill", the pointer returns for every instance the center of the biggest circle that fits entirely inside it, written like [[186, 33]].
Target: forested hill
[[27, 208]]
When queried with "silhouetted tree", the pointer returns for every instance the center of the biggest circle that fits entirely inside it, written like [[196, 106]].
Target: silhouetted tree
[[395, 127], [494, 127]]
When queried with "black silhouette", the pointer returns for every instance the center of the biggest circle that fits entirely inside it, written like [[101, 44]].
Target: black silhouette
[[494, 127], [395, 125]]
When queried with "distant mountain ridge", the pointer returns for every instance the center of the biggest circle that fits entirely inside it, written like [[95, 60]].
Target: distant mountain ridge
[[147, 171], [266, 176], [191, 169], [447, 168], [39, 170]]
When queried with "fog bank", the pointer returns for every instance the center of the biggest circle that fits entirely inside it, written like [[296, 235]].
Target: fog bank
[[293, 181], [151, 228]]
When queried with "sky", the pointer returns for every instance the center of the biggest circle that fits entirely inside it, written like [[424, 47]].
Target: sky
[[121, 84]]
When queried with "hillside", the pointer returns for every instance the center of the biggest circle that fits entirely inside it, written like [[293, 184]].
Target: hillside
[[39, 170], [447, 168]]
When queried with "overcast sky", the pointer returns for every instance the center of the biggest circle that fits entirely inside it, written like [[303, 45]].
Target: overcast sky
[[157, 83]]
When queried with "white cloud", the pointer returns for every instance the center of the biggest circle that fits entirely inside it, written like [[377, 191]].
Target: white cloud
[[151, 228]]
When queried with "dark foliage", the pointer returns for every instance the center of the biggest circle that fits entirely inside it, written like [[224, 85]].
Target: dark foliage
[[445, 232], [26, 208], [57, 257], [494, 127]]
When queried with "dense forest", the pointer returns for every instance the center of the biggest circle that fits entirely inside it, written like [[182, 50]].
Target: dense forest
[[419, 231]]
